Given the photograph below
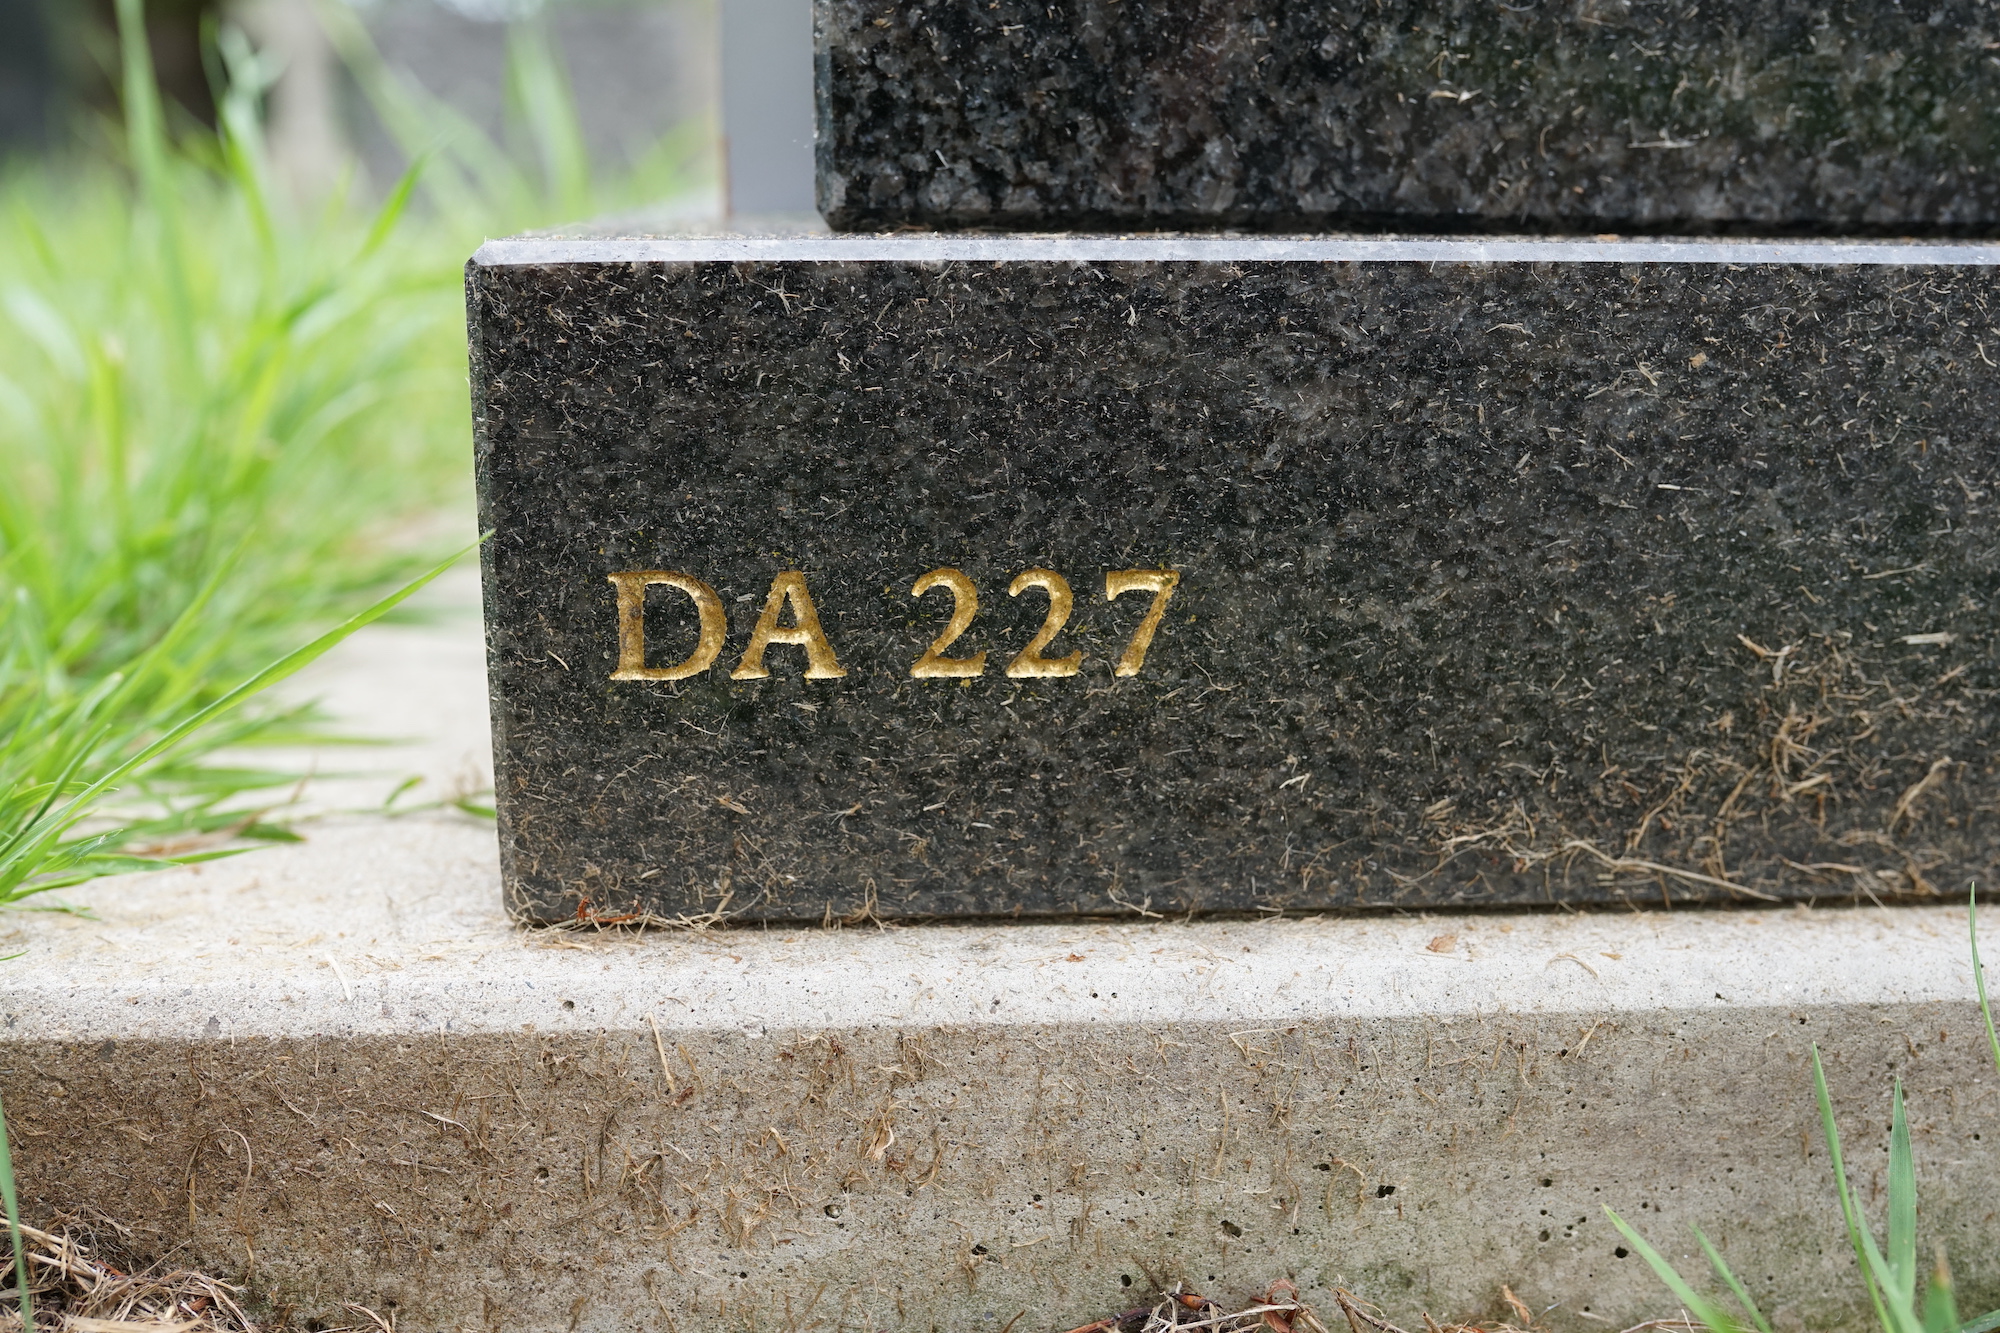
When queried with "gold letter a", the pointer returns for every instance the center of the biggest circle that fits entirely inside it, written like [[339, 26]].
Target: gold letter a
[[789, 587]]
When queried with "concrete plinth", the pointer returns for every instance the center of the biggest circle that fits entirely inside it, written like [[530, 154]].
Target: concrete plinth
[[335, 1070]]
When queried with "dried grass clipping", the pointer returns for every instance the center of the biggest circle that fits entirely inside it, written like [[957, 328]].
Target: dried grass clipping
[[76, 1289]]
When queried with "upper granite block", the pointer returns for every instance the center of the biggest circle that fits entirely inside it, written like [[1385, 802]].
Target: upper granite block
[[1860, 116]]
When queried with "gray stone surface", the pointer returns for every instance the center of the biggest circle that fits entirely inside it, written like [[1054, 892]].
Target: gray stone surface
[[1509, 572], [767, 107], [1607, 115]]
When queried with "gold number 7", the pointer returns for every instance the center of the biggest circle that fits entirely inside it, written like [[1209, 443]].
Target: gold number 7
[[1161, 583]]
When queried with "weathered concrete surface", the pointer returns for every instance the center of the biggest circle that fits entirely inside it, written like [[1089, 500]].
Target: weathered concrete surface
[[335, 1070]]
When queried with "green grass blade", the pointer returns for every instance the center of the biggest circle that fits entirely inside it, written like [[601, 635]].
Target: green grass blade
[[1856, 1232], [1979, 971], [24, 852], [246, 83], [146, 140], [13, 1205], [270, 675], [82, 712], [1985, 1323], [145, 120], [1722, 1271], [1940, 1309], [1711, 1316], [1902, 1313], [541, 89], [391, 211], [1902, 1253]]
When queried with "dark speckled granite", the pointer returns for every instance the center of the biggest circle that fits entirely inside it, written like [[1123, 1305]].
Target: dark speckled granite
[[1850, 117], [1501, 582]]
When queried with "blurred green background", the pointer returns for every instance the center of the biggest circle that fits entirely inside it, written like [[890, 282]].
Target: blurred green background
[[639, 69], [233, 403]]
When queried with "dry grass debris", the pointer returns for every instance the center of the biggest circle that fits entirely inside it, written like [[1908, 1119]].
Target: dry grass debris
[[76, 1288], [1279, 1310]]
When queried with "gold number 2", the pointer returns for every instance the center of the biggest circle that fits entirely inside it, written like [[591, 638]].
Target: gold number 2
[[964, 606], [1030, 662], [1161, 583]]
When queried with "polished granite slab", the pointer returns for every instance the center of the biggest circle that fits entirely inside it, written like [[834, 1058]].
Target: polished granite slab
[[967, 576], [1858, 116]]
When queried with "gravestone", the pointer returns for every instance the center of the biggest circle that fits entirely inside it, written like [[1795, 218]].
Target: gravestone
[[1860, 116], [920, 575]]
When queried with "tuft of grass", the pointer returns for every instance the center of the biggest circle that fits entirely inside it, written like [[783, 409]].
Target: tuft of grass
[[1889, 1267], [222, 416], [215, 414]]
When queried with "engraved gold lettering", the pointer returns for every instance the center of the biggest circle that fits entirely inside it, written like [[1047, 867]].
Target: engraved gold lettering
[[804, 631], [964, 606], [632, 587], [788, 589], [1030, 662], [1161, 583]]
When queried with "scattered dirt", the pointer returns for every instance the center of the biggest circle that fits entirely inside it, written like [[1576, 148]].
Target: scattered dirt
[[1279, 1310], [75, 1287]]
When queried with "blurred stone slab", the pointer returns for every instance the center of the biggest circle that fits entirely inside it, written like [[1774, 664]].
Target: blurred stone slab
[[643, 77], [1474, 573], [1863, 116], [334, 1072]]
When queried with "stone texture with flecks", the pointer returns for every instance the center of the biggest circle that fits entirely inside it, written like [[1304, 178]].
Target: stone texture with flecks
[[1633, 115], [1500, 582]]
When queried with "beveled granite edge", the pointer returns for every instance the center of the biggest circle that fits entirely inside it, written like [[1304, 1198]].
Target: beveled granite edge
[[958, 248]]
